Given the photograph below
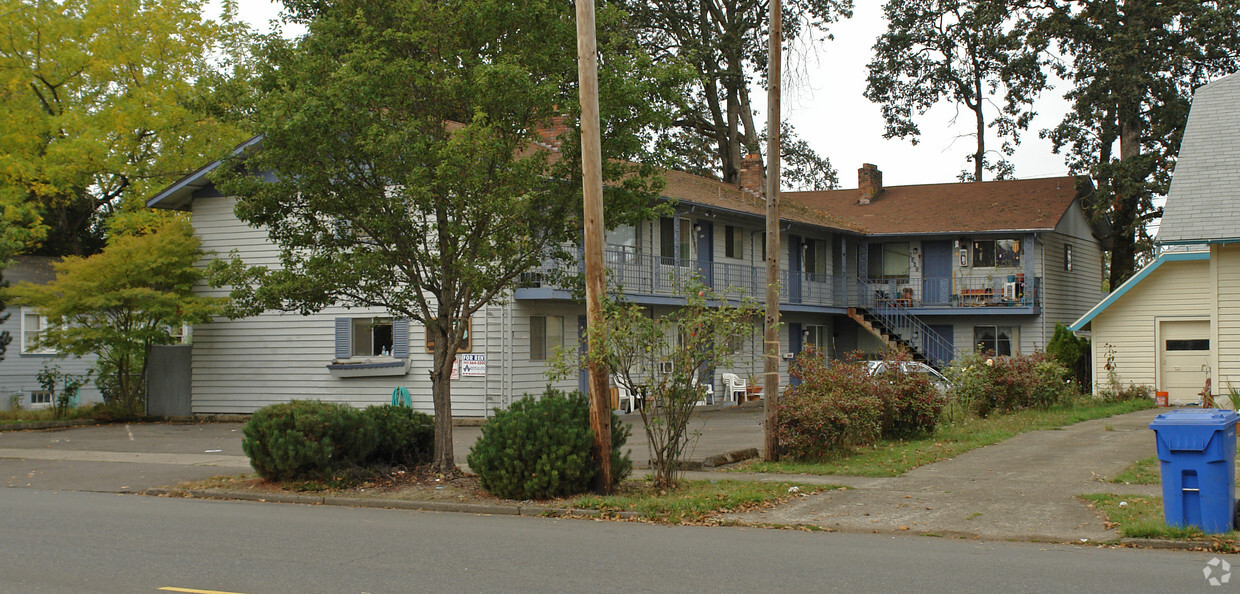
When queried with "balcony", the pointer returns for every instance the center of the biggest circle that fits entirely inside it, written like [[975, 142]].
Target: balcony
[[644, 275], [647, 275], [996, 291]]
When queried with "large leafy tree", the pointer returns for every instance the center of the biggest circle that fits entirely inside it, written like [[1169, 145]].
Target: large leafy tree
[[1133, 65], [724, 44], [101, 103], [136, 293], [968, 52], [410, 170]]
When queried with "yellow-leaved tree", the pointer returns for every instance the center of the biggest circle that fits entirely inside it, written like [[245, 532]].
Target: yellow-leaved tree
[[103, 102]]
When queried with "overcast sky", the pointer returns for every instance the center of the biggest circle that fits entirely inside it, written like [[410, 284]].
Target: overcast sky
[[825, 104]]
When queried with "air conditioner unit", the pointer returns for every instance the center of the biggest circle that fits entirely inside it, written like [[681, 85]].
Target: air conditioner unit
[[665, 367]]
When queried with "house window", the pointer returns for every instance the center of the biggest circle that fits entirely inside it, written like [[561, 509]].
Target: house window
[[762, 242], [734, 242], [33, 327], [814, 259], [889, 260], [815, 336], [372, 337], [40, 399], [546, 335], [667, 240], [1067, 257], [467, 341], [997, 340], [623, 243], [996, 252]]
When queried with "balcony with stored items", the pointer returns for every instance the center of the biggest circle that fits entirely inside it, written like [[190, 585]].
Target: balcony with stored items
[[656, 279]]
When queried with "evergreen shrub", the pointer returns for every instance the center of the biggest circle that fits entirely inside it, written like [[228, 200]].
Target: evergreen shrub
[[911, 405], [540, 448], [404, 437], [305, 439]]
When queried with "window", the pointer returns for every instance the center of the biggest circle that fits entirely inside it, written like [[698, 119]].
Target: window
[[734, 242], [1199, 344], [999, 340], [996, 252], [546, 335], [1067, 258], [623, 243], [888, 260], [33, 326], [467, 342], [815, 336], [667, 240], [814, 257], [372, 337], [40, 398], [686, 240]]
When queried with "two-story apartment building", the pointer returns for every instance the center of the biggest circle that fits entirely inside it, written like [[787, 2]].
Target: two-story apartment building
[[942, 267]]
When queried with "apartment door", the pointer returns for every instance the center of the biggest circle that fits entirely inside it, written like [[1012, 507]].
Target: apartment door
[[794, 269], [705, 251], [936, 281]]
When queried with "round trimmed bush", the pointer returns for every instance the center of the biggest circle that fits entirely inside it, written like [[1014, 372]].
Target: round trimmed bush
[[404, 436], [540, 448], [306, 439], [835, 408]]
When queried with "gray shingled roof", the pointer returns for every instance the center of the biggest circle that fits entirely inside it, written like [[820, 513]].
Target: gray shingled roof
[[1203, 203]]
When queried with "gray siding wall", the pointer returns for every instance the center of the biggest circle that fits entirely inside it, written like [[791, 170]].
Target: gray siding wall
[[1067, 295], [18, 372]]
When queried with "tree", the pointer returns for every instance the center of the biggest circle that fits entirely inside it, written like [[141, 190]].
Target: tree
[[119, 302], [701, 334], [101, 104], [411, 174], [967, 52], [724, 44], [1134, 65]]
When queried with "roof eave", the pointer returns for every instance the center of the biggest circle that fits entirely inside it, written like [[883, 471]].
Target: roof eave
[[178, 195], [1084, 320]]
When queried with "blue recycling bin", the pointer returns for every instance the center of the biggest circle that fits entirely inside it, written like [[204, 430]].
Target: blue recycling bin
[[1197, 451]]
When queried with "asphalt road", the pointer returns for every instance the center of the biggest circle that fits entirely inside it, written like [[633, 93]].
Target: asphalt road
[[95, 542]]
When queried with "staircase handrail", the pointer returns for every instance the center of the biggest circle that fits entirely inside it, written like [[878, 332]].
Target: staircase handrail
[[909, 327]]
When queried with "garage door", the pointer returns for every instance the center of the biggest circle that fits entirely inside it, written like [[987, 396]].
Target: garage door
[[1183, 354]]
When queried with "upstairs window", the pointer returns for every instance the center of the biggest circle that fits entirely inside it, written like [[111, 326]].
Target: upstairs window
[[889, 260], [623, 243], [996, 252], [1067, 257], [734, 242]]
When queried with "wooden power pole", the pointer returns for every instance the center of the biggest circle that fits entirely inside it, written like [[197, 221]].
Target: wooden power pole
[[592, 177], [770, 388]]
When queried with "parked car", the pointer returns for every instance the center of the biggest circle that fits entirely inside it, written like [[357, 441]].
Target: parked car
[[940, 383]]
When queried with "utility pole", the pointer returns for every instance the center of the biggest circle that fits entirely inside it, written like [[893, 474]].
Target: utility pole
[[592, 178], [770, 388]]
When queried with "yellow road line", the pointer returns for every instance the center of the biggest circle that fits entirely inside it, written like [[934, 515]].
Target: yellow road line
[[193, 591]]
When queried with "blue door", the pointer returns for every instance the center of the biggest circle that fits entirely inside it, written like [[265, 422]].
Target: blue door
[[794, 274], [583, 374], [705, 251], [939, 346], [794, 345], [936, 281]]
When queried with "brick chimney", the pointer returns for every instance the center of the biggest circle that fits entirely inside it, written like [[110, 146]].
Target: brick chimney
[[750, 176], [869, 183], [549, 133]]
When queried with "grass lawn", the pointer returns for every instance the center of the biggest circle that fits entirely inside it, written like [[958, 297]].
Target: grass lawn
[[1142, 472], [893, 458], [1142, 517], [693, 501]]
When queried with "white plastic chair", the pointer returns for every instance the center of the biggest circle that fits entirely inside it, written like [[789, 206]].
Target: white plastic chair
[[624, 399], [735, 387], [709, 396]]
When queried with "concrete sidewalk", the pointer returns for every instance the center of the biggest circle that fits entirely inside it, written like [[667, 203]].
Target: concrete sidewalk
[[1024, 488]]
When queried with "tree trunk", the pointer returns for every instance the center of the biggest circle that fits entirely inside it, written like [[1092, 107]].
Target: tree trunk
[[1124, 209], [441, 393]]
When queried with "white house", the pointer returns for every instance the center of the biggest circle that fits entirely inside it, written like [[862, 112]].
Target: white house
[[1176, 323]]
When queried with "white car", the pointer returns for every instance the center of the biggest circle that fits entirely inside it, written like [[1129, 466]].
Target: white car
[[940, 383]]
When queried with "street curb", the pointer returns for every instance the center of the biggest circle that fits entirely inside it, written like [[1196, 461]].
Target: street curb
[[492, 509], [730, 457], [1170, 545], [35, 425]]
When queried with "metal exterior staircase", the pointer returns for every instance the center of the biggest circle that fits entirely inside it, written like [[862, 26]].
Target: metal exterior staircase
[[888, 319]]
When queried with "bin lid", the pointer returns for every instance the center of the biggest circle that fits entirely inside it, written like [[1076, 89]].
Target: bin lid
[[1218, 418]]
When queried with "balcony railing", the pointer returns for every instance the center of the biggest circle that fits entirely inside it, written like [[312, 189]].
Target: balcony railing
[[1012, 290], [644, 274]]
